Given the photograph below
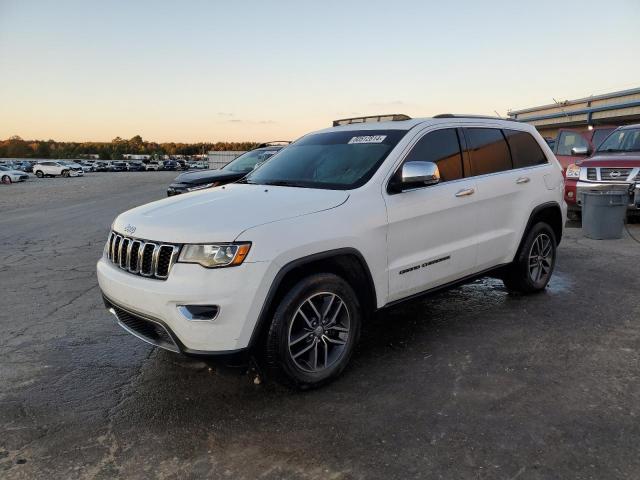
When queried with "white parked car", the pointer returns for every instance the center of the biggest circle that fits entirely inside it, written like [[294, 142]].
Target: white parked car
[[287, 264], [9, 175], [51, 168], [153, 166]]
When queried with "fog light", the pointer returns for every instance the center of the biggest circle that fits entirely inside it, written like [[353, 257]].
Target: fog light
[[570, 194], [199, 312]]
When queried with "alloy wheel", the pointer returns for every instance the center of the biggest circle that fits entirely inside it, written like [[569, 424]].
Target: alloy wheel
[[541, 258], [319, 332]]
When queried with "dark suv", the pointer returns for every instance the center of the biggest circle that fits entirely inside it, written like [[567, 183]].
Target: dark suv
[[232, 171]]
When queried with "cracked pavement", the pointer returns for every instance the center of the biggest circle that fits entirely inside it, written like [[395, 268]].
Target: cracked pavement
[[469, 383]]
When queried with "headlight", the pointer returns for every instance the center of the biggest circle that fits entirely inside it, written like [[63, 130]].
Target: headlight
[[201, 187], [221, 255], [573, 171]]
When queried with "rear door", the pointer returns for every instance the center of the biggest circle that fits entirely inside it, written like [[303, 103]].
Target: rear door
[[431, 232], [508, 167]]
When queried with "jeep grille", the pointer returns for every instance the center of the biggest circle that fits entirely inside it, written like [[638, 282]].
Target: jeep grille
[[141, 257]]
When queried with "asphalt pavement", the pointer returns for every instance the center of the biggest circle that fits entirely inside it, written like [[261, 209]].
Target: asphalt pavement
[[471, 383]]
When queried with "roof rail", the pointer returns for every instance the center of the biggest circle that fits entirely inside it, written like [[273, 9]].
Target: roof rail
[[274, 143], [457, 115], [391, 117]]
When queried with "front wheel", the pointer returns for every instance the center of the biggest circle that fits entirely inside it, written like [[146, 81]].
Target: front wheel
[[39, 174], [6, 179], [533, 266], [314, 331], [65, 173]]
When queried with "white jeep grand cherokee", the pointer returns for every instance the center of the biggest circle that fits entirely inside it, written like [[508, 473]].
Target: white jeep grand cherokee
[[285, 266]]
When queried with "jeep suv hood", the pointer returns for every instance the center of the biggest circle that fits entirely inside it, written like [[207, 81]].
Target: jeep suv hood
[[221, 214]]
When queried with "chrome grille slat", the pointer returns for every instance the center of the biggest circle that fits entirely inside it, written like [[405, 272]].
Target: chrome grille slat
[[141, 257], [124, 251]]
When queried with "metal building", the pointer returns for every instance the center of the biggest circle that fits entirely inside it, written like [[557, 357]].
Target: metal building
[[616, 108]]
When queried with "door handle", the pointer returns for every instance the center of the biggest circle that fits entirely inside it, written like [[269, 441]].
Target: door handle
[[465, 192], [523, 180]]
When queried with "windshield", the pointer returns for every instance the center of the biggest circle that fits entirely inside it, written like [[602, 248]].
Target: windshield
[[247, 161], [335, 160], [627, 140]]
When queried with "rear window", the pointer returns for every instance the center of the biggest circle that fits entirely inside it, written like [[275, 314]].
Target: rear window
[[525, 151], [488, 151]]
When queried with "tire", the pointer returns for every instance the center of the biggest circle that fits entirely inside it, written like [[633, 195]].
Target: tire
[[65, 173], [299, 351], [6, 179], [39, 174], [533, 266]]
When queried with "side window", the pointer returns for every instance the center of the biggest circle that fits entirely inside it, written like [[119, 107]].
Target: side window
[[568, 140], [525, 151], [441, 147], [488, 151]]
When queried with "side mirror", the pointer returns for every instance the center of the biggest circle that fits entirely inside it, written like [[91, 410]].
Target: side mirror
[[417, 174], [579, 151]]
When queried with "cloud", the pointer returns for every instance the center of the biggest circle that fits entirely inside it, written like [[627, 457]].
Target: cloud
[[225, 114]]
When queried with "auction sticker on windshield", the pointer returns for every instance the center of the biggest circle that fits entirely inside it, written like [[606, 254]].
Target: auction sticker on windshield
[[368, 139]]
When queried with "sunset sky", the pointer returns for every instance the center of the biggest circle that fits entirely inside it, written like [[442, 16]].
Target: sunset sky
[[257, 70]]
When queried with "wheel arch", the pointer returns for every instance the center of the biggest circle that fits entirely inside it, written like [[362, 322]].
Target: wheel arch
[[550, 213], [347, 263]]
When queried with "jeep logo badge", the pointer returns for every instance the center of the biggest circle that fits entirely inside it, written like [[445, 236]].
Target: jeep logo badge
[[130, 229]]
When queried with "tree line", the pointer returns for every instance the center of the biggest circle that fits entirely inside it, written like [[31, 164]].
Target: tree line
[[16, 147]]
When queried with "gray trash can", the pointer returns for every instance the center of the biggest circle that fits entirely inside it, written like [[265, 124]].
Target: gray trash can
[[603, 214]]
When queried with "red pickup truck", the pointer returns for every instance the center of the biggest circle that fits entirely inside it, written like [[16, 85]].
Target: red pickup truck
[[615, 164], [569, 139]]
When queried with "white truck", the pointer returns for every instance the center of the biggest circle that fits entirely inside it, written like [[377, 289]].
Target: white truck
[[286, 265]]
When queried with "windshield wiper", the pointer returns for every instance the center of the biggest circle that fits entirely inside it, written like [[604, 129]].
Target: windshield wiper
[[283, 183], [611, 150], [246, 180]]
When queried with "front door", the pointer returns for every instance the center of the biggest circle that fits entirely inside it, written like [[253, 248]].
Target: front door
[[431, 237]]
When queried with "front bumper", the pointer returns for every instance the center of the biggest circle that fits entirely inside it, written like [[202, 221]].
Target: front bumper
[[239, 293], [583, 186]]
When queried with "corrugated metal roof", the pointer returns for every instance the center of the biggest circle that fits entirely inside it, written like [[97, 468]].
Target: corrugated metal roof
[[621, 93]]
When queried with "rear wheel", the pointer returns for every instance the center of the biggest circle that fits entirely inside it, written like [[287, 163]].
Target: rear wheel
[[6, 179], [39, 174], [533, 266], [314, 331]]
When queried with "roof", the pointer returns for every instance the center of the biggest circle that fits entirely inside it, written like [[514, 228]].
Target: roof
[[619, 93]]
